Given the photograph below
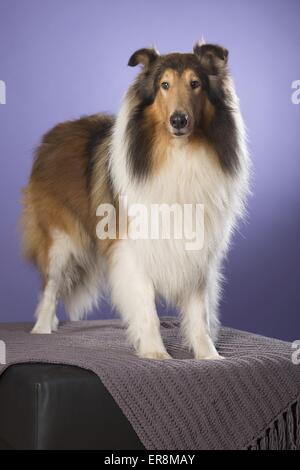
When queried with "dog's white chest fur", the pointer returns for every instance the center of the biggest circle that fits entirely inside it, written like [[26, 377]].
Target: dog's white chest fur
[[188, 177]]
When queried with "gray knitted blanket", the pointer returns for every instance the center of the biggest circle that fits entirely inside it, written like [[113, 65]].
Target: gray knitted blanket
[[250, 400]]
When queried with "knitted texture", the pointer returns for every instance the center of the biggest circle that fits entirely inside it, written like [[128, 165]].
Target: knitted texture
[[250, 400]]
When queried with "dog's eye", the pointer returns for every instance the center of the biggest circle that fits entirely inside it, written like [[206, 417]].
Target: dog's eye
[[195, 84], [165, 85]]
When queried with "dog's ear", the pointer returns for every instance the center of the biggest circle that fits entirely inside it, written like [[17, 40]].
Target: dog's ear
[[145, 57], [213, 58]]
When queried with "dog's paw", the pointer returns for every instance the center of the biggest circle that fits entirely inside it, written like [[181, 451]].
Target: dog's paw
[[213, 357], [40, 330], [160, 355]]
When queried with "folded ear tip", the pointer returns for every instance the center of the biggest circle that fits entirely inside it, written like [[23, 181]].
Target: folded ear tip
[[132, 61], [201, 48], [143, 56]]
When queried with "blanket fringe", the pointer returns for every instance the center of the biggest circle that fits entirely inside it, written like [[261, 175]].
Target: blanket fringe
[[283, 433]]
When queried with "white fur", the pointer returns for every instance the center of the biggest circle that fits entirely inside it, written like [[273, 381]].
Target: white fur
[[81, 300], [60, 276], [133, 295], [190, 279], [60, 251]]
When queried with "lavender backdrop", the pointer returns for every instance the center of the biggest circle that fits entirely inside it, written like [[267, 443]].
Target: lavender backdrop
[[64, 58]]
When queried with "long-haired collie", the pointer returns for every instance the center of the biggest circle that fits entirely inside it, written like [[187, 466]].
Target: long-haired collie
[[178, 139]]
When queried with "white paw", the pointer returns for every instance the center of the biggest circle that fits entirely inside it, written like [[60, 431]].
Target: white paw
[[160, 355], [41, 330], [212, 357]]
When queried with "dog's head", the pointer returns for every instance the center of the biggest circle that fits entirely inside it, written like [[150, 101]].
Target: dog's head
[[175, 87]]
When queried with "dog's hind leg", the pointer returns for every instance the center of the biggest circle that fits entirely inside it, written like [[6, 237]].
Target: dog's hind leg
[[58, 257], [45, 312]]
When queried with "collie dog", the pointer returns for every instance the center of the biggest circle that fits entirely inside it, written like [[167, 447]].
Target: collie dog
[[178, 139]]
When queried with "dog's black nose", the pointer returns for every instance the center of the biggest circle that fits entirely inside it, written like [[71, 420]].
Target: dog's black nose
[[178, 120]]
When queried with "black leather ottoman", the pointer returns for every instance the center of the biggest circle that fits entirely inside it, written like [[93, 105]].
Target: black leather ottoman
[[48, 406]]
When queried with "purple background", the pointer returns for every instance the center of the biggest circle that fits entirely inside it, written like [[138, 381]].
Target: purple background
[[64, 58]]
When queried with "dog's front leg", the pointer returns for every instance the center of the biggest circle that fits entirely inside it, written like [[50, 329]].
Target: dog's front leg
[[195, 326], [133, 295]]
